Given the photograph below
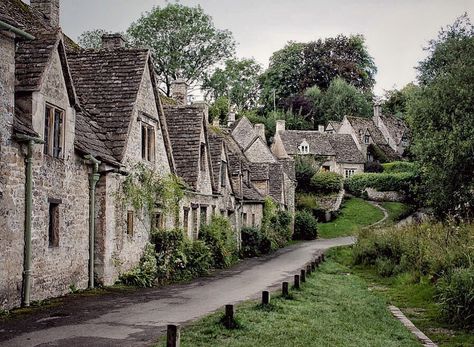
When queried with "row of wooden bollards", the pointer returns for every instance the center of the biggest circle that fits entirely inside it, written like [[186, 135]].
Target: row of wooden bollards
[[173, 332]]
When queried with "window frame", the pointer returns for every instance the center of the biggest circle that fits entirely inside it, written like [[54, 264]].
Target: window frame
[[130, 223], [53, 223], [202, 157], [349, 172], [148, 142], [51, 133]]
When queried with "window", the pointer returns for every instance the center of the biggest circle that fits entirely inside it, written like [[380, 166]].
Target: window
[[53, 132], [325, 168], [244, 219], [214, 210], [404, 140], [203, 215], [53, 227], [148, 142], [195, 223], [157, 221], [130, 223], [247, 177], [370, 157], [223, 173], [202, 157], [349, 172], [366, 139], [185, 220], [304, 148], [253, 220]]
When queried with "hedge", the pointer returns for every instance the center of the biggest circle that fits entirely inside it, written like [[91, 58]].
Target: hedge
[[326, 182], [306, 226], [383, 182], [399, 166]]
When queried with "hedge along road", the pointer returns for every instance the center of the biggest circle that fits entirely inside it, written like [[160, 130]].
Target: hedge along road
[[138, 318]]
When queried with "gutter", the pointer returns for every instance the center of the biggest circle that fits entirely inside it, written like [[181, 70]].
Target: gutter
[[94, 177], [11, 28], [31, 141]]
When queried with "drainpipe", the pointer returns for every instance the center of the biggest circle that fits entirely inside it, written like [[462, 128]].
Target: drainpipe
[[11, 28], [93, 179], [30, 141]]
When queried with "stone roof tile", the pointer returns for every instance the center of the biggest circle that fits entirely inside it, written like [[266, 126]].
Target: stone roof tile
[[346, 149], [318, 142]]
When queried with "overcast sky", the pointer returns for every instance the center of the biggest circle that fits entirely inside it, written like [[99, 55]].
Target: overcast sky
[[395, 31]]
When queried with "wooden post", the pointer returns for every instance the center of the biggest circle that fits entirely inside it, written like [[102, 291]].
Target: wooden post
[[173, 335], [313, 265], [322, 257], [284, 289], [229, 316], [308, 269], [265, 297], [297, 281], [303, 276]]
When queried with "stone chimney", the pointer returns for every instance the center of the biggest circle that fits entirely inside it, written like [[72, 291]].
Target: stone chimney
[[111, 41], [231, 118], [377, 114], [280, 125], [179, 91], [49, 8], [321, 128], [260, 130], [215, 122]]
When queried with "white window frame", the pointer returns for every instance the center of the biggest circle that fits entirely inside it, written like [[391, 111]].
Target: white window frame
[[49, 134], [349, 172]]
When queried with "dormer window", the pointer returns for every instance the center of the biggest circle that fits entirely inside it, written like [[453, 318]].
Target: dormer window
[[202, 157], [54, 132], [303, 148], [366, 139], [148, 142]]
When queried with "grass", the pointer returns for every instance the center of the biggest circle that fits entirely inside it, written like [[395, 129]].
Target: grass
[[414, 298], [396, 211], [332, 309], [355, 214]]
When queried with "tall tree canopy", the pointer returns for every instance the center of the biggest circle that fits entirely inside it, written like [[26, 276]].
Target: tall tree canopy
[[237, 81], [92, 38], [442, 120], [184, 40], [299, 66], [396, 100]]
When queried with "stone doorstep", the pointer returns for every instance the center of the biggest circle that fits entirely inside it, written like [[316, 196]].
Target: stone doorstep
[[425, 340]]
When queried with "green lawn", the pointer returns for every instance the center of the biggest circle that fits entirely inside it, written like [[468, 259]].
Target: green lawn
[[396, 211], [332, 309], [414, 298], [355, 213]]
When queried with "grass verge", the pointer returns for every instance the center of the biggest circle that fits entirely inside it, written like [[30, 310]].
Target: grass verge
[[396, 211], [414, 297], [355, 214], [333, 308]]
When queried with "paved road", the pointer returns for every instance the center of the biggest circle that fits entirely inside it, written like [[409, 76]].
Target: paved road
[[136, 319]]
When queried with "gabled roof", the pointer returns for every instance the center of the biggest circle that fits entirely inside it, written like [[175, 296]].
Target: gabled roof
[[216, 145], [21, 15], [250, 193], [396, 127], [275, 171], [185, 125], [346, 149], [318, 142], [259, 171], [361, 125], [243, 132], [107, 83], [334, 125]]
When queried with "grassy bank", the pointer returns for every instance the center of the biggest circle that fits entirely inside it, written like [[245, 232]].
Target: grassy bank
[[396, 211], [332, 309], [416, 298], [355, 214]]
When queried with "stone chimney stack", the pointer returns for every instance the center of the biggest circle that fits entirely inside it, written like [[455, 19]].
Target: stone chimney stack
[[111, 41], [49, 8], [280, 125], [260, 130], [215, 122], [179, 91], [231, 118], [377, 113], [321, 128]]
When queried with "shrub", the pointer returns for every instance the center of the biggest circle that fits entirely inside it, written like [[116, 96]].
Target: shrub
[[144, 274], [399, 166], [456, 296], [306, 201], [221, 239], [306, 226], [279, 231], [254, 243], [400, 181], [199, 259], [305, 168], [326, 182], [373, 166]]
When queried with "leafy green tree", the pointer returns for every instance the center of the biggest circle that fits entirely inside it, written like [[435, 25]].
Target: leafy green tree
[[441, 116], [238, 81], [92, 38], [184, 40], [396, 100], [219, 109]]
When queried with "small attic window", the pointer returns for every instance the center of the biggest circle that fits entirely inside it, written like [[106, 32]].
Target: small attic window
[[303, 148], [366, 139], [148, 142], [53, 132]]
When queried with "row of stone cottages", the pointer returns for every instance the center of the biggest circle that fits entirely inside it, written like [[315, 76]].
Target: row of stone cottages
[[74, 124]]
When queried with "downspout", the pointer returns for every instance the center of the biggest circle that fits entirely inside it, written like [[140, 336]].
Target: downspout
[[31, 141], [11, 28], [94, 177]]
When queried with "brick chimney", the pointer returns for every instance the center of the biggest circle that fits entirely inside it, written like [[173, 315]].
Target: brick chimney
[[111, 41], [179, 91], [49, 8], [260, 130], [280, 125]]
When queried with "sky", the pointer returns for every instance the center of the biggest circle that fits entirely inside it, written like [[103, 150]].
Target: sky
[[396, 31]]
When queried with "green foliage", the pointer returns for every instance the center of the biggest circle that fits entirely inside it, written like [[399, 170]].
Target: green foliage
[[306, 226], [145, 273], [399, 166], [275, 224], [219, 109], [383, 182], [222, 241], [396, 101], [237, 81], [305, 168], [378, 154], [306, 201], [92, 38], [441, 117], [184, 41], [456, 296], [373, 166], [326, 182], [254, 243]]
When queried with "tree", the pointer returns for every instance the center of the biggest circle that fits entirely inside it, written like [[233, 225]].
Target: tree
[[238, 81], [396, 101], [441, 116], [219, 109], [92, 38], [184, 40]]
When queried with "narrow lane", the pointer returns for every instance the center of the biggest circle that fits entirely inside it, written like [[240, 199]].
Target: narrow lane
[[137, 319]]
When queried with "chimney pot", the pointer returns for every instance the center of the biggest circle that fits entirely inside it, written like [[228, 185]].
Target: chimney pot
[[280, 125], [111, 41], [321, 128], [179, 91], [49, 8], [260, 130], [230, 118]]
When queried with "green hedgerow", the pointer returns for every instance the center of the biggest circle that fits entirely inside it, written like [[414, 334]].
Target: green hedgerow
[[326, 182], [306, 226]]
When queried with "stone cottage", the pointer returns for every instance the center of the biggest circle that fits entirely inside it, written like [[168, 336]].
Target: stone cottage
[[334, 152], [394, 130]]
